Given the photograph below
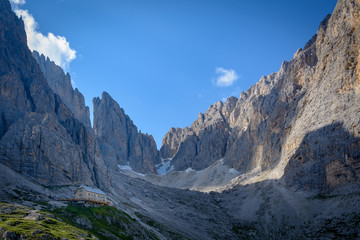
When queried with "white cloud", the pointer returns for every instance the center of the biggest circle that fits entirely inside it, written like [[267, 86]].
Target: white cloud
[[18, 2], [57, 48], [226, 77]]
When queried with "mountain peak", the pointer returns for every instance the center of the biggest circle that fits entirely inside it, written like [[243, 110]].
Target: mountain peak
[[60, 83], [121, 143]]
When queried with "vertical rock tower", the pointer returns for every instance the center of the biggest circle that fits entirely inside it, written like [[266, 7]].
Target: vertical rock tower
[[121, 143]]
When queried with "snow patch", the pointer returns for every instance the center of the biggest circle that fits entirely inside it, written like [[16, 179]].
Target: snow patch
[[189, 170], [164, 167], [125, 167], [213, 178], [128, 168]]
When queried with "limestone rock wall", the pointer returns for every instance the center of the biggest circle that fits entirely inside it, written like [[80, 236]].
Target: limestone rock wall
[[302, 120], [120, 141], [204, 142], [39, 135], [60, 83]]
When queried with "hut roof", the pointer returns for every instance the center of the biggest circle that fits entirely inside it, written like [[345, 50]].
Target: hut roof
[[91, 189]]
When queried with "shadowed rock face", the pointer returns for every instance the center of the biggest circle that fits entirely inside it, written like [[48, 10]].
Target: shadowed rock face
[[61, 85], [120, 141], [318, 87], [39, 147], [23, 87], [40, 138], [329, 156]]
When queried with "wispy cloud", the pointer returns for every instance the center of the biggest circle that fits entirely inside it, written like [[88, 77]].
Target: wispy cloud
[[57, 48], [226, 77], [18, 2]]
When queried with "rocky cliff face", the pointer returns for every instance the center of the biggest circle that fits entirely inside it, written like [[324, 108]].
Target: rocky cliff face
[[39, 137], [60, 83], [326, 133], [308, 121], [23, 88], [301, 123], [204, 142], [120, 141]]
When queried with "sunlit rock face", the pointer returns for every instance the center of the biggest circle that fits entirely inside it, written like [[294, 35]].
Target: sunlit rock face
[[303, 119]]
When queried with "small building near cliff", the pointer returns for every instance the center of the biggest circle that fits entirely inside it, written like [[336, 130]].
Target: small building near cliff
[[90, 194]]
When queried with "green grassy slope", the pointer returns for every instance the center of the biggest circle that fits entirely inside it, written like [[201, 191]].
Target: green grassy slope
[[71, 222]]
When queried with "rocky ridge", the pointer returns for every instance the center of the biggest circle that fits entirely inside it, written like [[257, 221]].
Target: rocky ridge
[[204, 142], [123, 145], [299, 124], [120, 141], [40, 137], [60, 83]]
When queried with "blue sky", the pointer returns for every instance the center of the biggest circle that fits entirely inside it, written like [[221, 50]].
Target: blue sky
[[162, 60]]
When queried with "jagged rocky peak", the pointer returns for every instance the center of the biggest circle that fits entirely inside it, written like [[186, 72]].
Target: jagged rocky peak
[[281, 127], [172, 140], [22, 84], [61, 85], [218, 111], [120, 141], [300, 124], [40, 138], [204, 142]]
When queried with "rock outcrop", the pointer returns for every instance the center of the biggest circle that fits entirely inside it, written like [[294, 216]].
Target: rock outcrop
[[120, 141], [39, 135], [23, 87], [204, 142], [298, 121], [60, 83], [41, 148]]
